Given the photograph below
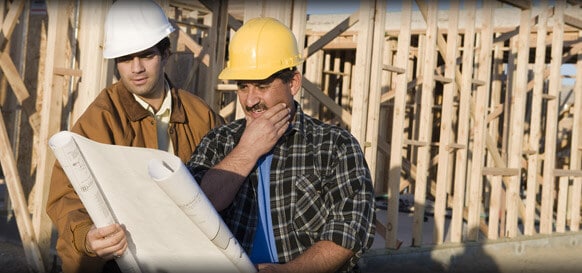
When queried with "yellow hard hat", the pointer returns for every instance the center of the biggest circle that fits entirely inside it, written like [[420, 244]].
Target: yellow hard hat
[[261, 47], [132, 26]]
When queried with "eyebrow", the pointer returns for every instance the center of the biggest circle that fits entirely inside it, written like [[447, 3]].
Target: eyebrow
[[256, 82], [139, 54]]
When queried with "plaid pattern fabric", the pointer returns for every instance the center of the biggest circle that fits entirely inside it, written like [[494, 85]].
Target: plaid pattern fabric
[[320, 188]]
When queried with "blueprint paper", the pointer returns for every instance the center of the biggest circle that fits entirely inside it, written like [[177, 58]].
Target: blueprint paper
[[176, 181], [115, 185]]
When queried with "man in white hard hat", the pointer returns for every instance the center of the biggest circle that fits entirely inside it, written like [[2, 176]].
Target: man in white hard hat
[[142, 109], [295, 192]]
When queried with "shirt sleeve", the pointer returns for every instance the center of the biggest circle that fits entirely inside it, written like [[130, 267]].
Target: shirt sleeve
[[351, 195]]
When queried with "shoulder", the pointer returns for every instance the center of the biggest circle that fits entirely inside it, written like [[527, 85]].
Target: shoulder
[[107, 101], [194, 108], [327, 132], [189, 99]]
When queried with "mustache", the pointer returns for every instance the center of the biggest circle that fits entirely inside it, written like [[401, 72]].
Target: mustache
[[256, 107]]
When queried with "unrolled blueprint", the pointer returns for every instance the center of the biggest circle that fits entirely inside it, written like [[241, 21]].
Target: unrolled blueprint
[[171, 225]]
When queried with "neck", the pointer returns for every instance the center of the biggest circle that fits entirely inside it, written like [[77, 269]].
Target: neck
[[156, 99]]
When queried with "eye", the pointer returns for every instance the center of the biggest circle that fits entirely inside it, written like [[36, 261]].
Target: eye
[[148, 55], [124, 59], [264, 86], [242, 87]]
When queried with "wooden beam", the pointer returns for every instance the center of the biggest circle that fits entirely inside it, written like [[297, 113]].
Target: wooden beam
[[52, 93], [425, 119], [555, 82], [61, 71], [534, 158], [19, 204], [361, 84], [19, 88], [522, 4], [96, 72], [567, 173], [331, 35], [375, 91], [10, 22], [573, 21], [500, 171], [397, 139], [197, 49], [575, 162], [327, 101], [392, 68], [518, 91]]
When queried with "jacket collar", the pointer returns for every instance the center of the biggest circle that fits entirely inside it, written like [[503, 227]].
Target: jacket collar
[[136, 112]]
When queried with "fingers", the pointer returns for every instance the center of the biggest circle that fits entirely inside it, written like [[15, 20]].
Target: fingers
[[264, 131], [116, 251], [278, 116], [108, 241]]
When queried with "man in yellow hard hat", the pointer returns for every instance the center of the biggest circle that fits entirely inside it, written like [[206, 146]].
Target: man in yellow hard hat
[[142, 109], [295, 192]]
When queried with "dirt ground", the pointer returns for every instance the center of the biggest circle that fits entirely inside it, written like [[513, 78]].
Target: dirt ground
[[12, 259], [559, 253]]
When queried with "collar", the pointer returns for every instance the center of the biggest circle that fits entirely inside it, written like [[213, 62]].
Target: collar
[[165, 108], [136, 112], [298, 124]]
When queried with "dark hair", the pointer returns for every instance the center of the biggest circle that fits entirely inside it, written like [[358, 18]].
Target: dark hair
[[163, 45], [285, 74]]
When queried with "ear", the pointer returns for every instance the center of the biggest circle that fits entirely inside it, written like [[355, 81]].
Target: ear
[[296, 83], [166, 55]]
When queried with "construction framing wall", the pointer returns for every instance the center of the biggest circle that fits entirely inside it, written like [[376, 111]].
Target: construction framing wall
[[465, 107]]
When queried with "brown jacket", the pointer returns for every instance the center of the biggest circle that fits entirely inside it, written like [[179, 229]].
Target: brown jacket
[[115, 117]]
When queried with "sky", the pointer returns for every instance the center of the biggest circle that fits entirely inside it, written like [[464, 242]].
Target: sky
[[348, 7]]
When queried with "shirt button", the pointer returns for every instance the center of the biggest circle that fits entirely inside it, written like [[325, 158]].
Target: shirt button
[[171, 130]]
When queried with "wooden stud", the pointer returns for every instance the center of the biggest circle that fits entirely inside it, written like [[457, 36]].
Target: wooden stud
[[375, 91], [576, 141], [98, 72], [444, 153], [397, 138], [484, 62], [546, 214], [518, 92], [361, 85], [425, 121], [534, 159]]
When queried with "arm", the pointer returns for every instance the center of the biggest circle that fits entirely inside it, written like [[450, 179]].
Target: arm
[[222, 182], [323, 256], [67, 213], [64, 206]]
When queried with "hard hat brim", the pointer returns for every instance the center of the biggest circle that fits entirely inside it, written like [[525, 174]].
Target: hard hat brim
[[253, 73]]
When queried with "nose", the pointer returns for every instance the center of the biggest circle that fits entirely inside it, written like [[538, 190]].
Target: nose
[[136, 65], [252, 96]]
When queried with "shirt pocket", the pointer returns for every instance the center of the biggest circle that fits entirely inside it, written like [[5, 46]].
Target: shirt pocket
[[310, 211]]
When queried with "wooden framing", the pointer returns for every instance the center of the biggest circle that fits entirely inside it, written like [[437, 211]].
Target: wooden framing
[[397, 140], [464, 113]]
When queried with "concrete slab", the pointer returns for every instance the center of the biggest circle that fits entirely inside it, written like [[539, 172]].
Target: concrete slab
[[537, 254], [529, 254]]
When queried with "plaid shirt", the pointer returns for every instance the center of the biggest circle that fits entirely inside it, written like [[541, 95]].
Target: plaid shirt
[[320, 188]]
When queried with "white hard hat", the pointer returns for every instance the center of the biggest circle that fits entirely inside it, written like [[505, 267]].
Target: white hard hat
[[132, 26]]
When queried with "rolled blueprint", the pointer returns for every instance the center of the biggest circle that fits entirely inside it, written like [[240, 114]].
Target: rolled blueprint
[[71, 159], [175, 180], [115, 185]]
